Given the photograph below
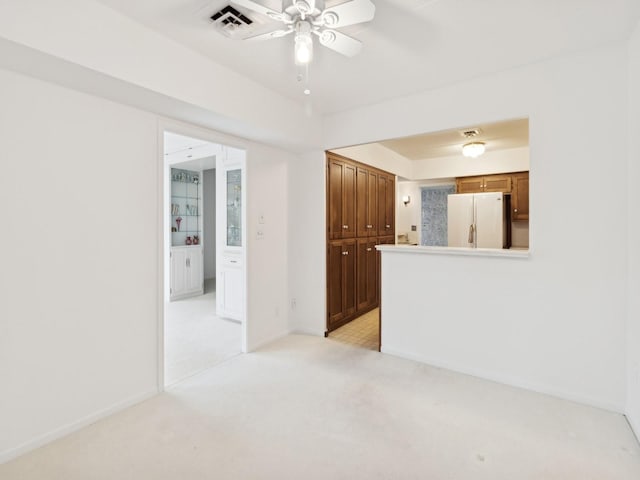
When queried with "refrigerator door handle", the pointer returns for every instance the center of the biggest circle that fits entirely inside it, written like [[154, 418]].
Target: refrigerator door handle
[[471, 233]]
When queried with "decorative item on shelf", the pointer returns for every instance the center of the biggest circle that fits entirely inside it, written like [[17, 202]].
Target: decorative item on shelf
[[188, 241], [175, 209], [178, 220], [196, 239], [174, 229]]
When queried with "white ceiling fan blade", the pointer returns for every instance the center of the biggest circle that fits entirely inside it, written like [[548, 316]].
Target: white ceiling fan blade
[[340, 42], [349, 13], [269, 35], [256, 7]]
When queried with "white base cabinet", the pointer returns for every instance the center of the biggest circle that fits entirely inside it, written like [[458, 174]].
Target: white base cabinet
[[187, 272], [230, 287]]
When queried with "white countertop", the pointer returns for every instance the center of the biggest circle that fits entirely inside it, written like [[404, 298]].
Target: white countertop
[[481, 252]]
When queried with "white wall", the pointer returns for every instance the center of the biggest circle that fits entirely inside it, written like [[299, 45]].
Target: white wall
[[267, 282], [209, 221], [633, 332], [307, 243], [570, 337], [380, 157], [120, 48], [79, 279], [80, 283]]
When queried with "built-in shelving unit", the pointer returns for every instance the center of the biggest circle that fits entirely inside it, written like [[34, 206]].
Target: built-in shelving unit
[[186, 201]]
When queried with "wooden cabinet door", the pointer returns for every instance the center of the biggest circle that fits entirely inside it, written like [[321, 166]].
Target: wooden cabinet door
[[362, 265], [335, 196], [362, 203], [367, 274], [349, 201], [372, 284], [497, 183], [335, 283], [386, 205], [349, 277], [372, 205], [341, 200], [390, 207], [470, 185], [520, 197]]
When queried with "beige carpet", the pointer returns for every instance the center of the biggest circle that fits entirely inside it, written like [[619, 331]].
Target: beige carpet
[[309, 408]]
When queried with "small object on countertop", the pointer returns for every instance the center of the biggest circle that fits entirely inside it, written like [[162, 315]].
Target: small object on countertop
[[196, 240], [188, 241]]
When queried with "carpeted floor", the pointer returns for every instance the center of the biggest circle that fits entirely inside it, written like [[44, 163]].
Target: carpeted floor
[[309, 408], [195, 338]]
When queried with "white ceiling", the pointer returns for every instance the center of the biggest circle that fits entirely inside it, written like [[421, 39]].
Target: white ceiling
[[410, 46], [496, 136]]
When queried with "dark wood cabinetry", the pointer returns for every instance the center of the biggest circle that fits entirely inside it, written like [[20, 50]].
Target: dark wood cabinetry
[[520, 197], [360, 208], [387, 203], [341, 200], [366, 202], [485, 183], [341, 275]]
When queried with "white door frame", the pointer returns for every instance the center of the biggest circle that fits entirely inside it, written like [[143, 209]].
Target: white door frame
[[163, 234]]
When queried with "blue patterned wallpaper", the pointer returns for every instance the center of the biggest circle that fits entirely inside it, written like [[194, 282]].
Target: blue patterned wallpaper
[[434, 215]]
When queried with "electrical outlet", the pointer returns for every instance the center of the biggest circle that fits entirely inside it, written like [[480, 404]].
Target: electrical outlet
[[260, 235]]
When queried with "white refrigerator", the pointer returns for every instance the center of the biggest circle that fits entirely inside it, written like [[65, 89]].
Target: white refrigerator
[[479, 220]]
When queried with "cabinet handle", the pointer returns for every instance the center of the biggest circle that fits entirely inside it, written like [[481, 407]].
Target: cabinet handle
[[233, 261], [345, 253], [369, 249], [515, 210], [188, 262], [388, 226], [345, 227]]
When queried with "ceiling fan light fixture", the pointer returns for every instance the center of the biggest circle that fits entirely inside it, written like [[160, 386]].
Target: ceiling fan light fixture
[[305, 7], [303, 48], [473, 149], [330, 18]]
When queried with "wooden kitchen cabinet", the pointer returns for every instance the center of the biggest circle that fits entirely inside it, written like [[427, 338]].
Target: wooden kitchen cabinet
[[341, 282], [360, 206], [367, 274], [469, 184], [485, 183], [520, 197], [386, 204], [366, 202], [341, 199]]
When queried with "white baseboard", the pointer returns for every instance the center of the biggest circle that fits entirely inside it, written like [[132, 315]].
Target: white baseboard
[[634, 423], [308, 330], [507, 380], [60, 432]]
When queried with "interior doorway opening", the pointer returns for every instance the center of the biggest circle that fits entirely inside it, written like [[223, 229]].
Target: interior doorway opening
[[197, 331]]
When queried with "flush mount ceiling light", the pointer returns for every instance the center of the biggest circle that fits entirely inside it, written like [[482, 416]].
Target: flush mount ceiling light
[[473, 149], [303, 18]]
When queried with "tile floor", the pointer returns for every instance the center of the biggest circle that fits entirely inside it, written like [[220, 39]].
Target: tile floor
[[195, 338], [363, 331]]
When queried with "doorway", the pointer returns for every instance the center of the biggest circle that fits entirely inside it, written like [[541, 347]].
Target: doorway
[[196, 334]]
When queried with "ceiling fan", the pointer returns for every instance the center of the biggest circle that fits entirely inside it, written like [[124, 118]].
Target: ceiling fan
[[305, 19]]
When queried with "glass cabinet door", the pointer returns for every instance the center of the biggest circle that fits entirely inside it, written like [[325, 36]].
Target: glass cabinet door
[[234, 208]]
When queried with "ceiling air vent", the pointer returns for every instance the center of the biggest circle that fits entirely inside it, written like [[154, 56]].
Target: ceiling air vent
[[230, 21], [472, 132]]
